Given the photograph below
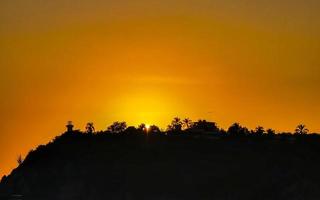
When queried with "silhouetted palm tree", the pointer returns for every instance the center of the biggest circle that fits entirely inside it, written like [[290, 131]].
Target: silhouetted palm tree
[[90, 128], [176, 124], [186, 123], [301, 129]]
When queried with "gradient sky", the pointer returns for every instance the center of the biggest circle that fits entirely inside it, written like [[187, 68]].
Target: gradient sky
[[256, 62]]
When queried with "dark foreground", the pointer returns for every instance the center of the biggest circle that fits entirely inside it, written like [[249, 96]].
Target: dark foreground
[[89, 167]]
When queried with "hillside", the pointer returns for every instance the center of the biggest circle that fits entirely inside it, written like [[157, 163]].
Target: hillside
[[78, 166]]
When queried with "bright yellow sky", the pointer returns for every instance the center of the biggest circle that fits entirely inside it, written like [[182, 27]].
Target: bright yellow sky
[[256, 62]]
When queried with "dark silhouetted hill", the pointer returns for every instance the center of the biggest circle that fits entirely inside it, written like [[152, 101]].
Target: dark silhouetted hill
[[77, 166]]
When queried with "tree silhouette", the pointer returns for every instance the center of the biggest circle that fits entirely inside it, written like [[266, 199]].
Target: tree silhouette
[[237, 130], [301, 130], [204, 125], [270, 132], [154, 129], [117, 127], [186, 123], [259, 131], [142, 127], [131, 129], [176, 125], [234, 129], [90, 128]]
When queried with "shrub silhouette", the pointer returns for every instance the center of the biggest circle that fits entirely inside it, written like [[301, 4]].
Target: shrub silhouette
[[19, 160]]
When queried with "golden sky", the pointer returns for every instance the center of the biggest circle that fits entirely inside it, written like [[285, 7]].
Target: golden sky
[[256, 62]]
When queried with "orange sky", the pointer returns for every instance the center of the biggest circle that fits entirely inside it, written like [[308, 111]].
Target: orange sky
[[254, 62]]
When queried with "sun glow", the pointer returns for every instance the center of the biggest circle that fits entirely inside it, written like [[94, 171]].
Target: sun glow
[[147, 127], [144, 105]]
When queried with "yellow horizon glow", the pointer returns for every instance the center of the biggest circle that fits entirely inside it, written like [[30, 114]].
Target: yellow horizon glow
[[147, 127]]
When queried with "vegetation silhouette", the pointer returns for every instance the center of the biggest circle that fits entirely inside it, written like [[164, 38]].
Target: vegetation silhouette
[[175, 126], [19, 160], [117, 127], [89, 128], [301, 130], [142, 127], [270, 132], [259, 131], [190, 160], [237, 130], [187, 123]]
